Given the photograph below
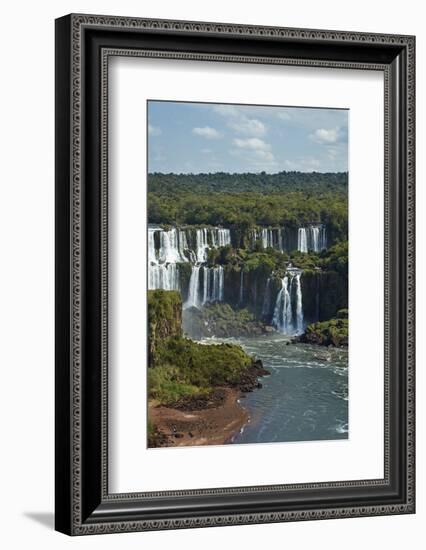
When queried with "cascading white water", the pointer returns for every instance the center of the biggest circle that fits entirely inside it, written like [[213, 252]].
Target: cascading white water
[[315, 231], [206, 285], [213, 277], [164, 276], [312, 238], [302, 240], [152, 256], [221, 283], [223, 237], [286, 318], [219, 237], [213, 284], [283, 316], [167, 248], [193, 290], [299, 304], [271, 237], [184, 250], [162, 270], [202, 245]]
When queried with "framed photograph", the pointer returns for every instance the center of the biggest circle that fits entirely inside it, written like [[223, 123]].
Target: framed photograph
[[234, 274]]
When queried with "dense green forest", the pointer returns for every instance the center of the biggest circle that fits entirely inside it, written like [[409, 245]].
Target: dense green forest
[[222, 182], [245, 200]]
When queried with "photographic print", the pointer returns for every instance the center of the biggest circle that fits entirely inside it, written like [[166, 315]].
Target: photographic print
[[202, 262], [248, 321]]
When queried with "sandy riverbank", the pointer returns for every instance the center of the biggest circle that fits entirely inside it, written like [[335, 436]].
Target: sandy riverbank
[[210, 426]]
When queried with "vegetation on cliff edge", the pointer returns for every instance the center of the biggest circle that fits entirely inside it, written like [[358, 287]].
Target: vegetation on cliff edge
[[181, 368], [333, 332]]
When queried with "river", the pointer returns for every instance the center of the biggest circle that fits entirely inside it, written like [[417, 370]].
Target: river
[[305, 398]]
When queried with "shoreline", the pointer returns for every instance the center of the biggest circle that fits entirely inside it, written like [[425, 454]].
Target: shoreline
[[214, 425]]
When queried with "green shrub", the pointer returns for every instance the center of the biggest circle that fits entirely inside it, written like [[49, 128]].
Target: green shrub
[[334, 332], [187, 369]]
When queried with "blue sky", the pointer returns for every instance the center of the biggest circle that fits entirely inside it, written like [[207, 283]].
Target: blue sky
[[207, 137]]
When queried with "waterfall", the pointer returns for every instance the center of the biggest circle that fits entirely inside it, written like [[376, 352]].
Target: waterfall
[[162, 269], [202, 245], [152, 257], [164, 276], [299, 306], [283, 317], [221, 283], [312, 238], [315, 238], [302, 240], [168, 248], [216, 236], [184, 250], [288, 311], [174, 247], [222, 237], [213, 284], [268, 237], [216, 284], [271, 237], [193, 291], [206, 285]]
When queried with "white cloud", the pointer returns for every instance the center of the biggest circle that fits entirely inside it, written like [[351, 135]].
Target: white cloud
[[322, 135], [248, 126], [255, 144], [255, 152], [238, 120], [154, 130], [206, 151], [207, 132], [265, 155]]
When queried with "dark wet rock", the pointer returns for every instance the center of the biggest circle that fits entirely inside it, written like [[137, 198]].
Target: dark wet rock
[[222, 320]]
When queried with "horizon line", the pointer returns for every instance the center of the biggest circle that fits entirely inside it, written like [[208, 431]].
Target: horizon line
[[242, 173]]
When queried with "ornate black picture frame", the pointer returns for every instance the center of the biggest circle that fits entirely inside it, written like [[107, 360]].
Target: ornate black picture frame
[[83, 45]]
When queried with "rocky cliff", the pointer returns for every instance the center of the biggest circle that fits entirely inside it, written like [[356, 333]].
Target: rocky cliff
[[164, 318]]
